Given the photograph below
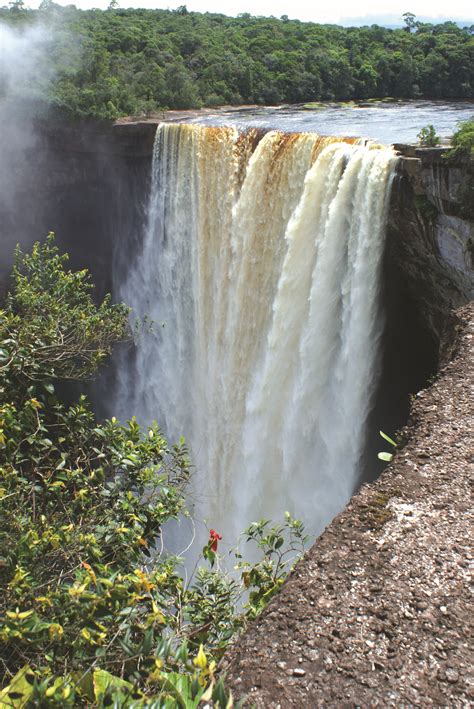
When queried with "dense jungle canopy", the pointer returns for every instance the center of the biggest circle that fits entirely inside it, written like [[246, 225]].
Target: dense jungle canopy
[[132, 61]]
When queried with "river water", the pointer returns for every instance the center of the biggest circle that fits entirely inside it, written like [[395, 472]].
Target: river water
[[383, 122]]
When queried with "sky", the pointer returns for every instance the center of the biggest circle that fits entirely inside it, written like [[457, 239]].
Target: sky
[[340, 11]]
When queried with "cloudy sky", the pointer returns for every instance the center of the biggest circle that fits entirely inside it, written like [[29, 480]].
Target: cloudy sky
[[340, 11]]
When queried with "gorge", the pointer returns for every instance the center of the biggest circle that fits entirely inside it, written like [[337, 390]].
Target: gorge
[[91, 184], [234, 227], [300, 276]]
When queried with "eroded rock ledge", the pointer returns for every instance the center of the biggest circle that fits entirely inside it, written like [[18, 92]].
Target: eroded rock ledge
[[377, 613], [430, 234]]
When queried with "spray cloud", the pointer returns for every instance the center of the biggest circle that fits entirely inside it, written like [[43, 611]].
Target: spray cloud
[[25, 74]]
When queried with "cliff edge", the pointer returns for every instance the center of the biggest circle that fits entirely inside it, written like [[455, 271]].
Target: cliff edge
[[377, 613]]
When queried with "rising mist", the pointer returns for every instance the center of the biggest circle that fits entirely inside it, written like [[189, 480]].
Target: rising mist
[[25, 75]]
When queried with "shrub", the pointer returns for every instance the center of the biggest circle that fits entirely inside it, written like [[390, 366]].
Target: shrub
[[427, 137], [463, 141], [92, 613]]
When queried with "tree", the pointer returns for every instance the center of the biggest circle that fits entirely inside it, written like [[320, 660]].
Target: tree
[[81, 504], [410, 21], [134, 61], [17, 6], [54, 327]]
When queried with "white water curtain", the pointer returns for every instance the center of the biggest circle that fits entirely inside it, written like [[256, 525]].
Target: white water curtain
[[260, 269]]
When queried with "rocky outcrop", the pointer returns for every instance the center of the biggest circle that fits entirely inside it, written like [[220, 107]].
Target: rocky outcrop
[[377, 613], [430, 237]]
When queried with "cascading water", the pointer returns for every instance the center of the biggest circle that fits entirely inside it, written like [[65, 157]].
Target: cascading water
[[260, 270]]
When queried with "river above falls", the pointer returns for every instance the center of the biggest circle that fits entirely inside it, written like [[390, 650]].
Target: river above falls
[[383, 122]]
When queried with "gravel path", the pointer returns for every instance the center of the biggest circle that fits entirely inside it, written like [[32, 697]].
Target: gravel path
[[378, 613]]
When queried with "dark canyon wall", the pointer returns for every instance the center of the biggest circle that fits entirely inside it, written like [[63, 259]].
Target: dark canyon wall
[[87, 182], [428, 272]]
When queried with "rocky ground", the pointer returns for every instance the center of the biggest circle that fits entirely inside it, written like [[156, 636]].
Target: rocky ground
[[378, 613]]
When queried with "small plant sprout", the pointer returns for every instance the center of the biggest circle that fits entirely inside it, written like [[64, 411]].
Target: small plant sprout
[[383, 455]]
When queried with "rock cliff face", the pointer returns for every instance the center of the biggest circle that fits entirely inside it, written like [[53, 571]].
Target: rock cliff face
[[86, 182], [430, 238]]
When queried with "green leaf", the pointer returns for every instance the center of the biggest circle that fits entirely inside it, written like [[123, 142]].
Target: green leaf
[[19, 691], [388, 439], [180, 687], [385, 456], [104, 681]]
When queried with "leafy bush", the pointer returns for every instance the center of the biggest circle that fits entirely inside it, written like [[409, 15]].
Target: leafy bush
[[463, 148], [427, 137], [92, 613], [463, 141], [280, 545]]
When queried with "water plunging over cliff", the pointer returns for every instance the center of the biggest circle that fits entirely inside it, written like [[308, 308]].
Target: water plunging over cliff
[[260, 269]]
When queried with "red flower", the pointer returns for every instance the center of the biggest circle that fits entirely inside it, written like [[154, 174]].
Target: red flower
[[214, 539]]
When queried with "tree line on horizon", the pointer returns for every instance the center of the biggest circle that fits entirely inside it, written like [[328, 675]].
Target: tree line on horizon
[[120, 62]]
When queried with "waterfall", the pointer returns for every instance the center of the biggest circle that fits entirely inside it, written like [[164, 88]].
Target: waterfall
[[260, 270]]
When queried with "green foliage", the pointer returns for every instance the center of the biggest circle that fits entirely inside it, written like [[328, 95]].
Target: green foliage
[[280, 545], [52, 327], [133, 61], [463, 141], [93, 611], [81, 503], [463, 149], [427, 137], [383, 455], [195, 685]]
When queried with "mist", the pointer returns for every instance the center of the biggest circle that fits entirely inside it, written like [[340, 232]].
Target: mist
[[25, 75]]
